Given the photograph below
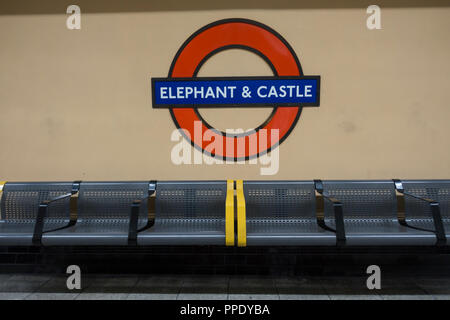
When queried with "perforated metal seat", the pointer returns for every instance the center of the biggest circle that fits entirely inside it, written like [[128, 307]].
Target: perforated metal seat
[[103, 214], [370, 214], [19, 208], [188, 213], [283, 213], [418, 213]]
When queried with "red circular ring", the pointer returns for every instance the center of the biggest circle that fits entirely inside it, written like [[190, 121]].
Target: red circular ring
[[236, 32]]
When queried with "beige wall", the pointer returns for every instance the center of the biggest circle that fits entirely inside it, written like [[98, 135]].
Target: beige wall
[[77, 104]]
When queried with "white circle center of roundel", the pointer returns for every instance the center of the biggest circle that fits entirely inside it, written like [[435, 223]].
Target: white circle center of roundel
[[234, 63]]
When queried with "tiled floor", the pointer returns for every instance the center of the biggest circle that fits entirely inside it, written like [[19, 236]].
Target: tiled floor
[[220, 287]]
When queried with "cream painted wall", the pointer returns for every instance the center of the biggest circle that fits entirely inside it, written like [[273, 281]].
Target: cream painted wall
[[77, 104]]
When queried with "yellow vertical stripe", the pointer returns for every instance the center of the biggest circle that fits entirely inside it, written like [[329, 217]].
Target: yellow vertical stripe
[[2, 183], [241, 219], [229, 214]]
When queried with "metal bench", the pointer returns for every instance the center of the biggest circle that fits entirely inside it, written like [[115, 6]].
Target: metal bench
[[188, 213], [304, 213], [29, 209], [283, 213], [103, 215], [370, 214]]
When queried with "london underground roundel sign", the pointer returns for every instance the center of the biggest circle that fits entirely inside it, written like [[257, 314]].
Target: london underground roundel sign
[[287, 91]]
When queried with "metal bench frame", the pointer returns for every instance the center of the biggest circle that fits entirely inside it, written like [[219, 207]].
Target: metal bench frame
[[231, 202]]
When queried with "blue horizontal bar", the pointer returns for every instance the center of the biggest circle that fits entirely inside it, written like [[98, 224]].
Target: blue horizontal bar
[[220, 92]]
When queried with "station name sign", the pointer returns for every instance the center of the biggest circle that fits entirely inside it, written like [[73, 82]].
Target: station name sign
[[236, 92], [287, 90]]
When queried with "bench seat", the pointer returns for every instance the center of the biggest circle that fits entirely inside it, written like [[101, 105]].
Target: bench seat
[[370, 214], [187, 213], [288, 232], [283, 213], [383, 232], [19, 208], [90, 233]]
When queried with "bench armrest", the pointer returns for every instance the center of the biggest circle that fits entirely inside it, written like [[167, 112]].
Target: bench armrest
[[338, 212], [434, 208], [134, 214], [43, 208], [40, 217]]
